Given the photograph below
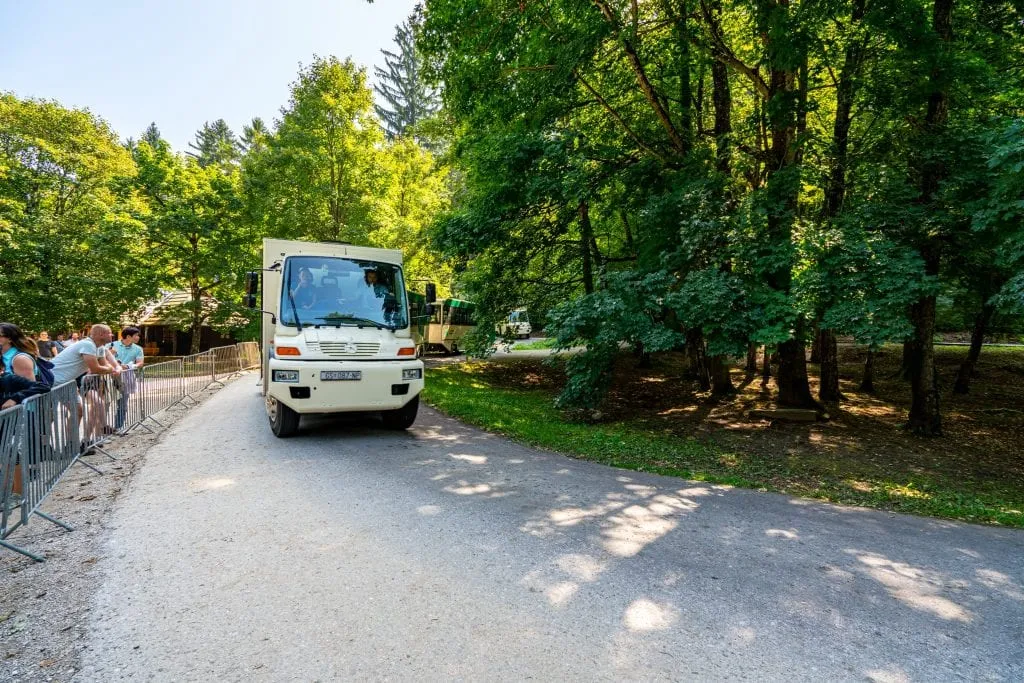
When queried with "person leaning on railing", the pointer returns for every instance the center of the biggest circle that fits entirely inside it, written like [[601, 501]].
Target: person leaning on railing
[[85, 358]]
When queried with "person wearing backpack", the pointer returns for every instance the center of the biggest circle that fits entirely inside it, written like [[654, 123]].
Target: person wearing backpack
[[21, 356]]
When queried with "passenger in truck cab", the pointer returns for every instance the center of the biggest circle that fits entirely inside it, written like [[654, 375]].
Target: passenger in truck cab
[[304, 292], [372, 295]]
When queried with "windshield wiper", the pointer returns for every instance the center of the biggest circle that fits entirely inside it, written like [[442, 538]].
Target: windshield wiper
[[360, 322], [295, 310]]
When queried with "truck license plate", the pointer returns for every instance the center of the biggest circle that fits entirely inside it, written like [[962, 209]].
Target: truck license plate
[[340, 375]]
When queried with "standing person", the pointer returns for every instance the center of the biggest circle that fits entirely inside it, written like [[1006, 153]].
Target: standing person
[[130, 357], [81, 358], [59, 344], [75, 337], [19, 352], [47, 348]]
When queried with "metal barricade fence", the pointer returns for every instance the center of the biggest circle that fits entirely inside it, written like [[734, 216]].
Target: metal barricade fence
[[197, 372], [160, 386], [225, 362], [41, 439], [249, 355], [11, 430], [51, 443], [99, 397]]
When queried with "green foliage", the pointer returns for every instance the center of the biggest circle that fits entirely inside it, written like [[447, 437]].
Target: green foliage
[[194, 238], [319, 174], [853, 160], [409, 99], [72, 250], [215, 144]]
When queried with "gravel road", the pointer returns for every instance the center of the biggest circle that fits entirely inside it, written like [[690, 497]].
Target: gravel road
[[351, 553]]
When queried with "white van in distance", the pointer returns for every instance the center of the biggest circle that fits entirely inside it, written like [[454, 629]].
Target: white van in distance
[[517, 325]]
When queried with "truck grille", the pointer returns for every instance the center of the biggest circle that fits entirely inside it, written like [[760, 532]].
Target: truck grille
[[346, 349]]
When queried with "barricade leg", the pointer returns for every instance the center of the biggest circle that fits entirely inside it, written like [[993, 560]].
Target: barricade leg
[[22, 551], [48, 518], [90, 466]]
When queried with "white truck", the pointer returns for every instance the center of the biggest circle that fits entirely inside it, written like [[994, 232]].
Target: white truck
[[336, 333]]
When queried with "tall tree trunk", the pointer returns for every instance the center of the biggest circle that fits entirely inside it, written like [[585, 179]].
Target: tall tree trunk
[[751, 367], [698, 358], [794, 389], [721, 381], [835, 185], [586, 236], [963, 377], [766, 366], [825, 347], [925, 418], [906, 360], [828, 389], [196, 323], [816, 344], [722, 97], [784, 58], [867, 383]]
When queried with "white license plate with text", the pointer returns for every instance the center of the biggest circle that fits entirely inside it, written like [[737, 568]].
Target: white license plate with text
[[341, 375]]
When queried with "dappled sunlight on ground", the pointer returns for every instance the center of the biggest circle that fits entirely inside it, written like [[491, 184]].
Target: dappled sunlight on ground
[[646, 615], [893, 674], [471, 459], [198, 486], [917, 588], [1001, 583], [861, 449]]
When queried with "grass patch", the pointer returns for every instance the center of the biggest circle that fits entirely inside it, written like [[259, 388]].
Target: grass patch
[[538, 345], [482, 395]]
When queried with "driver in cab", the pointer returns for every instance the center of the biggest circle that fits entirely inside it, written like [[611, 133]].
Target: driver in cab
[[304, 291]]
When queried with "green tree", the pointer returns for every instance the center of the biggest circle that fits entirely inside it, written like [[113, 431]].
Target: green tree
[[193, 236], [70, 249], [215, 144], [321, 169], [408, 98]]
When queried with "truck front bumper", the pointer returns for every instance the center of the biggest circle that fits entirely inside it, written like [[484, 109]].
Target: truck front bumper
[[381, 386]]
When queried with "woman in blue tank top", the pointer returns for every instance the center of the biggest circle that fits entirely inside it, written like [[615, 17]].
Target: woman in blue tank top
[[19, 352]]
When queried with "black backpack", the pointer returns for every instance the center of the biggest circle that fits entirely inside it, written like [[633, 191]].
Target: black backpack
[[45, 369]]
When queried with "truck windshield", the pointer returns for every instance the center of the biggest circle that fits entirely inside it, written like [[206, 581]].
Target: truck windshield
[[334, 292]]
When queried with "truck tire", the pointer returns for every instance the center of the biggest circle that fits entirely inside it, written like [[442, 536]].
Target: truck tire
[[283, 420], [403, 417]]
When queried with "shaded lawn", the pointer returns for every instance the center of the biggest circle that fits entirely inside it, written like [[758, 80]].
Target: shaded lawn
[[655, 420]]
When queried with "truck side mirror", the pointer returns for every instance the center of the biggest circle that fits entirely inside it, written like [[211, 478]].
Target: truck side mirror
[[431, 292], [252, 286]]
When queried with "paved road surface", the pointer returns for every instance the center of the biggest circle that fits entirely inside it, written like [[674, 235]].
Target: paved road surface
[[350, 553]]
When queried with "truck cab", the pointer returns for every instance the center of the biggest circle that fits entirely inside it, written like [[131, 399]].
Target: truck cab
[[336, 334]]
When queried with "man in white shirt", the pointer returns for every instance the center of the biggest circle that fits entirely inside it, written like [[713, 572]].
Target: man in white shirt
[[81, 358], [84, 357]]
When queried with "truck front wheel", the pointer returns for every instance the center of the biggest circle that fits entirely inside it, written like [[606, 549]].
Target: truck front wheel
[[283, 420], [403, 417]]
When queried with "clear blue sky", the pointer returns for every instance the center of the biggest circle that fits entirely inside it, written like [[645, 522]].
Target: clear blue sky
[[182, 62]]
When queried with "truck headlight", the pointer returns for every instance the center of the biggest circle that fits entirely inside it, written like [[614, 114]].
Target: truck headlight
[[291, 376], [413, 373]]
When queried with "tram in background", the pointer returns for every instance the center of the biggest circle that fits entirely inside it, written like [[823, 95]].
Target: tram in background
[[442, 331]]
